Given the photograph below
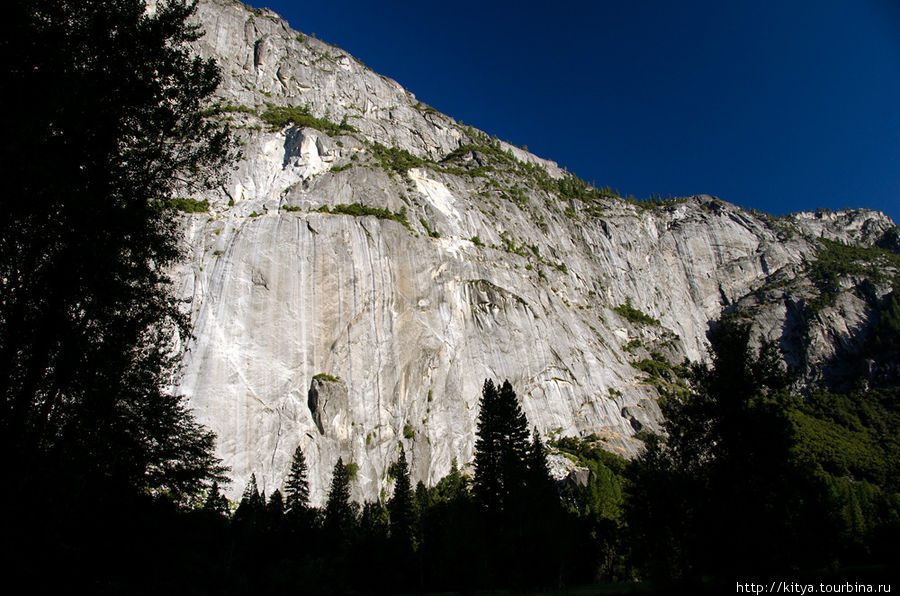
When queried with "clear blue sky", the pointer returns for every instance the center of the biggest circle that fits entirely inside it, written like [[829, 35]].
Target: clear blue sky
[[780, 105]]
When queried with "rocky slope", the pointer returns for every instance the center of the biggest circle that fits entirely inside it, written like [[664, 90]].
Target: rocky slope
[[369, 263]]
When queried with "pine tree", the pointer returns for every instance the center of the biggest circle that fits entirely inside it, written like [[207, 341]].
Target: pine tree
[[487, 483], [275, 509], [252, 506], [401, 507], [339, 518], [514, 447], [452, 486], [500, 449], [216, 502], [539, 482], [297, 486]]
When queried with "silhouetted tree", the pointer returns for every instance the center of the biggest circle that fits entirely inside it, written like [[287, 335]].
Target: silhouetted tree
[[402, 507], [108, 124], [725, 469], [541, 487], [339, 517], [275, 507], [252, 507], [216, 502], [499, 449], [297, 486]]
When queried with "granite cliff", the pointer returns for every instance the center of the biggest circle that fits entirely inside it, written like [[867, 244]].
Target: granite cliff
[[370, 261]]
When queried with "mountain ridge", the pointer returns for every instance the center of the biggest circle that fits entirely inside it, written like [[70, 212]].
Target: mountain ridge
[[368, 237]]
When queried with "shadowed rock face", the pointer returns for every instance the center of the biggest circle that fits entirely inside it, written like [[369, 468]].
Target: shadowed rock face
[[513, 281]]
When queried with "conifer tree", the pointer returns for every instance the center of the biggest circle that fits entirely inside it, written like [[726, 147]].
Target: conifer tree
[[215, 501], [514, 446], [297, 486], [275, 506], [452, 486], [339, 516], [539, 482], [401, 507], [500, 449], [253, 504], [487, 482], [274, 512], [88, 315]]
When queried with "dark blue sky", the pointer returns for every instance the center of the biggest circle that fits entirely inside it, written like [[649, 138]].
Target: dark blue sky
[[778, 105]]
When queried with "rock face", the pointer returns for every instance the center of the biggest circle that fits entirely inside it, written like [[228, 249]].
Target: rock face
[[465, 259]]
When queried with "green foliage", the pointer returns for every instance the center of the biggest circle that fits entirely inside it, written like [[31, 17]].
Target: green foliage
[[189, 205], [654, 201], [855, 436], [635, 315], [408, 431], [326, 377], [431, 233], [352, 470], [277, 117], [292, 208], [275, 508], [228, 108], [666, 377], [603, 496], [835, 261], [633, 345], [572, 187], [360, 210], [476, 241], [394, 159], [252, 507]]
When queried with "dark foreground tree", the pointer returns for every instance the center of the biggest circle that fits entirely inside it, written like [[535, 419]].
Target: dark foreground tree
[[216, 503], [402, 507], [296, 487], [339, 516], [102, 124], [726, 469], [500, 449]]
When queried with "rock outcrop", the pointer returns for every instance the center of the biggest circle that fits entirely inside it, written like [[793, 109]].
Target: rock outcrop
[[412, 257]]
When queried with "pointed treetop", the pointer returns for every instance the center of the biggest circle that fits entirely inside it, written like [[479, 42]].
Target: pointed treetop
[[296, 487]]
